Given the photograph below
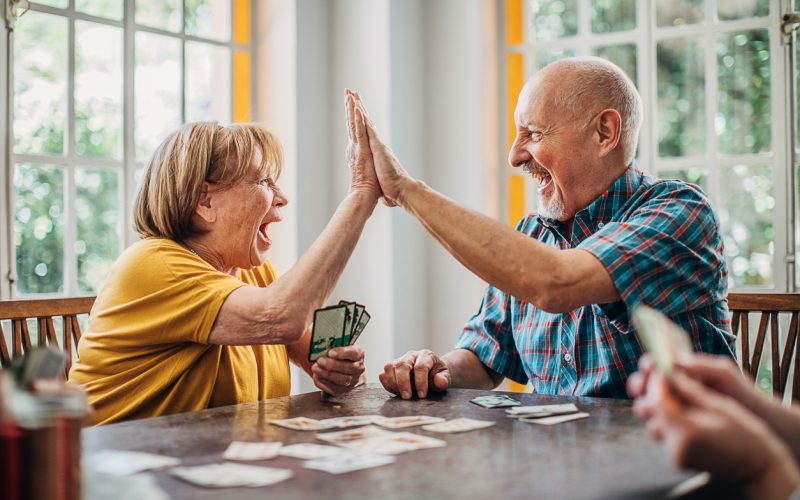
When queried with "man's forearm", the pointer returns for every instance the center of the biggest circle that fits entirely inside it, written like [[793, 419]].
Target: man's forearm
[[468, 372]]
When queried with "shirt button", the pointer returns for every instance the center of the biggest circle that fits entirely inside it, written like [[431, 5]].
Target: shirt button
[[600, 225], [567, 358]]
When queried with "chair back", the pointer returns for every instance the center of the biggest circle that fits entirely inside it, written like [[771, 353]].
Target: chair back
[[768, 306], [42, 311]]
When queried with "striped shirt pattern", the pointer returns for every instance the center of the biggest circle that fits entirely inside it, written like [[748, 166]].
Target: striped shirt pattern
[[660, 242]]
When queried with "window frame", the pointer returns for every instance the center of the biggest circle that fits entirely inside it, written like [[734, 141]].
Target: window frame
[[126, 166], [646, 36]]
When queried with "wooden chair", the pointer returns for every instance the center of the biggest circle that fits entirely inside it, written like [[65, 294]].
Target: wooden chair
[[43, 310], [768, 305]]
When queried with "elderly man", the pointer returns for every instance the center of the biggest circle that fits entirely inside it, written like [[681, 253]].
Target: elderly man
[[606, 238]]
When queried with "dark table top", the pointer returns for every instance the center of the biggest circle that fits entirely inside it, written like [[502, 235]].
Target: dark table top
[[607, 455]]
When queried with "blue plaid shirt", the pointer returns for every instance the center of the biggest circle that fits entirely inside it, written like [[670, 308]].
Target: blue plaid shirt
[[660, 242]]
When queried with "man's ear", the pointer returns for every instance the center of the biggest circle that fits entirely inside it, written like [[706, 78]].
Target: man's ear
[[206, 209], [608, 129]]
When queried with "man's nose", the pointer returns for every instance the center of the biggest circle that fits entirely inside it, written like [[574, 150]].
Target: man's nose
[[517, 156]]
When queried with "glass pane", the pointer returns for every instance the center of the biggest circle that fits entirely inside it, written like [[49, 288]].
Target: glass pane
[[98, 90], [39, 228], [613, 15], [552, 19], [696, 176], [744, 118], [738, 9], [97, 211], [111, 9], [681, 97], [545, 57], [623, 55], [53, 3], [164, 14], [208, 82], [158, 91], [746, 212], [209, 19], [677, 12], [40, 84]]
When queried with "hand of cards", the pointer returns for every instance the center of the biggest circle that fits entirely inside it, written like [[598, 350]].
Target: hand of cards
[[664, 340], [336, 326]]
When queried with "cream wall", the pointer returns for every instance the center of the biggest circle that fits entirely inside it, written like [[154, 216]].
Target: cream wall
[[427, 71]]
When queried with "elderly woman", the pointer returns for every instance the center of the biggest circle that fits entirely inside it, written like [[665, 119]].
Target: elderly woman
[[193, 316]]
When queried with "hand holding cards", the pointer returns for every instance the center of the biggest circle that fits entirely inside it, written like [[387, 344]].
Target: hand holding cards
[[664, 340], [336, 326]]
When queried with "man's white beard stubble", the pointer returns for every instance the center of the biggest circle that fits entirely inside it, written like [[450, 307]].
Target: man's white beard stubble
[[552, 208]]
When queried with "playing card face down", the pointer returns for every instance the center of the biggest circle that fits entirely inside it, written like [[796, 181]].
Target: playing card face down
[[348, 463], [664, 340], [228, 475], [241, 450], [558, 419], [311, 451], [495, 401], [302, 424], [327, 332], [458, 425], [408, 421], [352, 434]]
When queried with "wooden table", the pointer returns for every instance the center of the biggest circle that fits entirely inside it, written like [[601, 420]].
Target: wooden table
[[608, 455]]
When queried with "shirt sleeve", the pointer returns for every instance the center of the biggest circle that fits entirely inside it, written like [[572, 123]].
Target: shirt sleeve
[[667, 253], [488, 334]]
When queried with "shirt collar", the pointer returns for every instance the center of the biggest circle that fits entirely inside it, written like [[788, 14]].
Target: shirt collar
[[600, 211]]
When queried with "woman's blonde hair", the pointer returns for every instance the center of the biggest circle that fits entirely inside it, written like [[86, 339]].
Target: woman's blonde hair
[[196, 153]]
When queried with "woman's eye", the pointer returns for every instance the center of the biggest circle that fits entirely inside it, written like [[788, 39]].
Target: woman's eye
[[536, 135], [264, 182]]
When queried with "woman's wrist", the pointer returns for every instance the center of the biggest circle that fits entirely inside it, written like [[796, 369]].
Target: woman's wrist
[[779, 479]]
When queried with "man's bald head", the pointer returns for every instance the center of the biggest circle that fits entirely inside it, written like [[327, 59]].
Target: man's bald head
[[580, 87]]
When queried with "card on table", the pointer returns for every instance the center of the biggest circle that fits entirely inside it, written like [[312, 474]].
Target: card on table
[[664, 340], [542, 410], [311, 451], [408, 421], [558, 419], [348, 463], [241, 450], [122, 463], [228, 475], [458, 425], [352, 434], [495, 401], [329, 324], [302, 424], [394, 443], [353, 420]]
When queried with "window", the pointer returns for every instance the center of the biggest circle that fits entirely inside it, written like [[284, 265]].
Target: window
[[96, 85], [712, 76]]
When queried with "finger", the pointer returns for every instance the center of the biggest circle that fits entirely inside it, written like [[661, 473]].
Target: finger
[[387, 379], [711, 370], [402, 375], [348, 353], [645, 363], [346, 367], [351, 126], [422, 370], [441, 381], [331, 377], [361, 130], [694, 393], [325, 387], [636, 384]]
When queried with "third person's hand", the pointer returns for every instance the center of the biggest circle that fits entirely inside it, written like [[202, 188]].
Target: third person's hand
[[420, 371]]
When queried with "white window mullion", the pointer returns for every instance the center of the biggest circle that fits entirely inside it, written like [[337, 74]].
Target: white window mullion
[[70, 228], [129, 147], [710, 56], [7, 181]]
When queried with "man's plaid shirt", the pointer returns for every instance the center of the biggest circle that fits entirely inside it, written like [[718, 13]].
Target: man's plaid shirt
[[660, 242]]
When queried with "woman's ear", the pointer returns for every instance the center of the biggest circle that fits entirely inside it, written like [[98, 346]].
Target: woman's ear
[[205, 208]]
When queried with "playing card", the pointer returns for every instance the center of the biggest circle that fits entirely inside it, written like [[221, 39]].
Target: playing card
[[126, 462], [495, 401], [458, 425], [541, 410], [664, 340], [240, 450], [302, 424], [352, 434], [328, 329], [311, 451], [393, 443], [228, 475], [554, 420], [353, 421], [362, 323], [348, 463], [408, 421], [354, 310]]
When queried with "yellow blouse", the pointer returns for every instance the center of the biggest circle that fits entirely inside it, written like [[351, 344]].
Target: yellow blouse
[[146, 353]]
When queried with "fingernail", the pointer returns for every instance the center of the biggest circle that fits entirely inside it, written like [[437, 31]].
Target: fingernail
[[420, 394], [406, 395], [332, 354]]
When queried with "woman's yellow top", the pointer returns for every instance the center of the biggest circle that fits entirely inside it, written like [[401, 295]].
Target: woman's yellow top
[[146, 353]]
